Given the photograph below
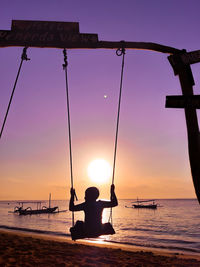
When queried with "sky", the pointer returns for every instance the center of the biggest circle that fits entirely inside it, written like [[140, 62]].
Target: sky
[[152, 154]]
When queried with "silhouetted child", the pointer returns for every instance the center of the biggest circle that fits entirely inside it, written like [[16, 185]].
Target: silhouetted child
[[93, 209]]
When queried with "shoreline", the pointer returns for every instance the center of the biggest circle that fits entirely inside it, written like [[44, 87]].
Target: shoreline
[[101, 243], [28, 248], [96, 242]]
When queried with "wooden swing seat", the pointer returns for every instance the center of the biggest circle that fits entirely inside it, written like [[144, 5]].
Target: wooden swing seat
[[78, 231]]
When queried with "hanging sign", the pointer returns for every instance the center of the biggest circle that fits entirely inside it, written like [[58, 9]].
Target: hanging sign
[[47, 39], [47, 34], [44, 26], [183, 101]]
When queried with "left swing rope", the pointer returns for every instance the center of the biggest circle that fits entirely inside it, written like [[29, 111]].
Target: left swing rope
[[23, 57], [69, 125]]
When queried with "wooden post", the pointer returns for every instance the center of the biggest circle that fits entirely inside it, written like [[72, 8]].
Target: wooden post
[[192, 128], [180, 62]]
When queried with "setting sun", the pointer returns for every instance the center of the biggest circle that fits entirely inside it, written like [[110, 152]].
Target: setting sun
[[99, 171]]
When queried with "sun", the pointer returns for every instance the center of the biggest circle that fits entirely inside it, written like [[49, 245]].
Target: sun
[[99, 171]]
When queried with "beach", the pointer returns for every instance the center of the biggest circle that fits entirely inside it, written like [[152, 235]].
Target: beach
[[27, 249]]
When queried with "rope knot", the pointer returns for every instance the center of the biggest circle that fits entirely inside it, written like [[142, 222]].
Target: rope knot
[[65, 59], [24, 55]]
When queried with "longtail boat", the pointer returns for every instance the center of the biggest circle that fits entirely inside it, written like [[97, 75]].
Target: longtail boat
[[139, 204], [39, 210], [29, 211]]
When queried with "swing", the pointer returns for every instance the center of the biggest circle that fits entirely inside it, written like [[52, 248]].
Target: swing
[[79, 231]]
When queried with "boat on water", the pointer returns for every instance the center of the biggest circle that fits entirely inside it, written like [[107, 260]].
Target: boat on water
[[147, 204], [30, 211], [39, 210]]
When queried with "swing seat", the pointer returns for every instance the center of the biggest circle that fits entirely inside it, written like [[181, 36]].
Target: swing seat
[[78, 231]]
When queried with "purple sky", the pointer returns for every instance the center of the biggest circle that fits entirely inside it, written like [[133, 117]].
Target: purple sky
[[152, 158]]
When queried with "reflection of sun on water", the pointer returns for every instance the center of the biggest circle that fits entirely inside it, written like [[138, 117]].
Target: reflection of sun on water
[[99, 171]]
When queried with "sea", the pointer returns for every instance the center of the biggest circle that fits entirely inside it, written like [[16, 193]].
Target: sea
[[174, 226]]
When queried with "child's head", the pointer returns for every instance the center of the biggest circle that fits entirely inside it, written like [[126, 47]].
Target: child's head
[[91, 193]]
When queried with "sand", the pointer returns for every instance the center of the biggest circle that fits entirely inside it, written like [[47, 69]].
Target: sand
[[26, 249]]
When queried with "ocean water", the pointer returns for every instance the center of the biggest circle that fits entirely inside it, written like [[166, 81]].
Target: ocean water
[[174, 226]]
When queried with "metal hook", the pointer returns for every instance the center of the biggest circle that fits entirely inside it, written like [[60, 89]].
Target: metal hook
[[121, 51]]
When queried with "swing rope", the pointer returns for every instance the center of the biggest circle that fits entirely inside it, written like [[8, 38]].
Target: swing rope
[[69, 127], [120, 52], [23, 57]]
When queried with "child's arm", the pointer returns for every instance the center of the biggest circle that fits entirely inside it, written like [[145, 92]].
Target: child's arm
[[113, 198], [73, 207]]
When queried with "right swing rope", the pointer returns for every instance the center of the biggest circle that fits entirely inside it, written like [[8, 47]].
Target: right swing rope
[[120, 52]]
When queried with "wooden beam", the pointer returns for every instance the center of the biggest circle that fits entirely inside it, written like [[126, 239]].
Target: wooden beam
[[73, 41], [55, 34], [139, 46], [191, 57], [178, 60], [183, 101]]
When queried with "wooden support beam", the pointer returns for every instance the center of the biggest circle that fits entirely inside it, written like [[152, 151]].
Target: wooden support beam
[[55, 34], [139, 46], [73, 41], [183, 101], [191, 57]]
